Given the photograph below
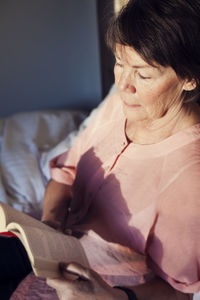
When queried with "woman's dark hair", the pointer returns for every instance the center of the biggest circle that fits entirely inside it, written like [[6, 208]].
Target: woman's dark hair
[[164, 32]]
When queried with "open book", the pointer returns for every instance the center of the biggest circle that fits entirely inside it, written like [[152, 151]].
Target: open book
[[45, 246]]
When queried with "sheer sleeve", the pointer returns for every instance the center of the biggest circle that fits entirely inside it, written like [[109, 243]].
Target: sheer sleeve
[[173, 247]]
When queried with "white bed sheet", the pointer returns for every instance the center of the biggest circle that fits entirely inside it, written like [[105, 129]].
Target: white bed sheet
[[27, 143]]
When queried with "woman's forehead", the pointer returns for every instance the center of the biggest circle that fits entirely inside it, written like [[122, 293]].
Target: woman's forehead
[[132, 57]]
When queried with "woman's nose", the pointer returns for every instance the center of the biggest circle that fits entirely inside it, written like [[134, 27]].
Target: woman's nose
[[126, 83]]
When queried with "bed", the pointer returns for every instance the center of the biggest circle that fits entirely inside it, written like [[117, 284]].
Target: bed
[[28, 141]]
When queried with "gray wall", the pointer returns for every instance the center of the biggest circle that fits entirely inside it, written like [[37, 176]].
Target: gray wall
[[49, 57]]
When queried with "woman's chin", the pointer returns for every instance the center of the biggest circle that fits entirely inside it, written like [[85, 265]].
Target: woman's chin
[[134, 115]]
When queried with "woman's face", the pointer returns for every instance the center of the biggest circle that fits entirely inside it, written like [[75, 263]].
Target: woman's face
[[147, 92]]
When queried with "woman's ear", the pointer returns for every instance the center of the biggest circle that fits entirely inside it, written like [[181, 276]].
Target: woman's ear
[[189, 85]]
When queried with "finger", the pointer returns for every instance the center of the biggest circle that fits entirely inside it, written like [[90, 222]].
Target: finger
[[74, 230], [54, 224], [72, 274], [75, 233], [68, 275], [75, 215], [76, 269], [73, 218]]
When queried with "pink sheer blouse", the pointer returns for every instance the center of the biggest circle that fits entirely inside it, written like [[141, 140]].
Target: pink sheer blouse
[[144, 197]]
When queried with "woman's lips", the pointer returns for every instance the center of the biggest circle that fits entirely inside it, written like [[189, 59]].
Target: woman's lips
[[132, 105]]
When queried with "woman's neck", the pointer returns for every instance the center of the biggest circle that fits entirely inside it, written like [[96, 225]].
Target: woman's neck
[[154, 131]]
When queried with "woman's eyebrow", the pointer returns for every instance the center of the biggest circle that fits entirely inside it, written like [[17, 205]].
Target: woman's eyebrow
[[141, 66], [138, 66], [146, 66], [135, 66]]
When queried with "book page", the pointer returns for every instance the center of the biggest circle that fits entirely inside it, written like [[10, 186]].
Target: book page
[[46, 268], [49, 246], [9, 214]]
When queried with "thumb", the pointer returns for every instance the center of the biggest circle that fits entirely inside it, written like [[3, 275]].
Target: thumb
[[75, 269]]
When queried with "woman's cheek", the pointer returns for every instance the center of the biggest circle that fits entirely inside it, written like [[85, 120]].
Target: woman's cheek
[[153, 106]]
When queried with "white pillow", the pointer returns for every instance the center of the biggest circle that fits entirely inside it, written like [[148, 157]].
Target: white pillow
[[25, 136]]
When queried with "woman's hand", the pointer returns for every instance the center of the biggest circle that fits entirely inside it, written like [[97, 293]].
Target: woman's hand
[[78, 282]]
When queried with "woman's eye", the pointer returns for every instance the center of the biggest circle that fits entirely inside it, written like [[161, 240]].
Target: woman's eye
[[143, 77]]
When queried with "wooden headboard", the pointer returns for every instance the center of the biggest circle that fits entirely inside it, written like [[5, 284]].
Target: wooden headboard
[[105, 10]]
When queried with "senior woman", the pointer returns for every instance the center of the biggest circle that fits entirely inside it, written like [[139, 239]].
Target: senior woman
[[132, 176]]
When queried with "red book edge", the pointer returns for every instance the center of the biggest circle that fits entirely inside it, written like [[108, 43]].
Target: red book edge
[[8, 233]]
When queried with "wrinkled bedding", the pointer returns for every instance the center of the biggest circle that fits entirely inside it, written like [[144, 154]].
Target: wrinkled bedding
[[27, 142], [33, 288]]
